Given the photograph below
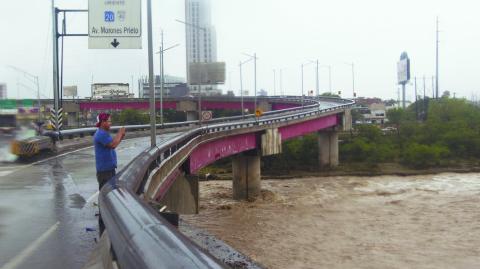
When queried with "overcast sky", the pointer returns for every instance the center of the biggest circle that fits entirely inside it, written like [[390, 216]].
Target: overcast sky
[[284, 34]]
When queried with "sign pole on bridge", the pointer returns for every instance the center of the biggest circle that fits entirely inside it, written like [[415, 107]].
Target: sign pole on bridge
[[56, 104]]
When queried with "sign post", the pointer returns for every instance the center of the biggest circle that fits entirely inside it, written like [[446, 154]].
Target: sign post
[[403, 69], [115, 24], [207, 115]]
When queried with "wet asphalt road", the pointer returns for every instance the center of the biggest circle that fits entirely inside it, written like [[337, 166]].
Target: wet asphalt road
[[46, 207]]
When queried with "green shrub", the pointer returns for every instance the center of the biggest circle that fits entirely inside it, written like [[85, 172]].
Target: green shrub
[[423, 156]]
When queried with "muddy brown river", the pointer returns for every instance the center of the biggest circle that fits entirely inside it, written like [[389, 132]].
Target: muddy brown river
[[351, 222]]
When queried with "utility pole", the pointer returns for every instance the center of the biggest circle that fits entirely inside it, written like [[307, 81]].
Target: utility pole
[[424, 101], [437, 60], [416, 100], [153, 130], [433, 87]]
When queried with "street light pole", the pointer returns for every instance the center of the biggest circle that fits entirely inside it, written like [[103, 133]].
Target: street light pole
[[241, 84], [282, 93], [241, 89], [255, 78], [302, 83], [197, 27], [254, 58], [162, 75], [162, 81], [317, 79], [274, 82], [353, 77], [329, 76], [302, 66], [33, 79]]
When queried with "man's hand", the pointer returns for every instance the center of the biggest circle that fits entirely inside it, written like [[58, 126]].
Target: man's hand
[[118, 138], [122, 132]]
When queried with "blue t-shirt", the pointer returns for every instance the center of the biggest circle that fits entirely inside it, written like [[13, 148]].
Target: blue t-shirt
[[105, 157]]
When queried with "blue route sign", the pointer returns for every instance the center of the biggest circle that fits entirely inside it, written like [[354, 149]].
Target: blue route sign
[[109, 16]]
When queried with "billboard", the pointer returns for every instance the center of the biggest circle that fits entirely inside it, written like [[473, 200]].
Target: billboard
[[110, 90], [206, 73], [70, 91], [403, 71]]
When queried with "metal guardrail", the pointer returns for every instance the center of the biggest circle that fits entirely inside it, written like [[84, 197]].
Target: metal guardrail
[[140, 237]]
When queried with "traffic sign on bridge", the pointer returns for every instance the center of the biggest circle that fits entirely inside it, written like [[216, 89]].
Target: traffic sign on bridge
[[206, 115], [115, 24]]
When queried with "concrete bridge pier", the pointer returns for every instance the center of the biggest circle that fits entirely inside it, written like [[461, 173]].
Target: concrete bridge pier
[[192, 115], [183, 196], [328, 148], [246, 175], [190, 108]]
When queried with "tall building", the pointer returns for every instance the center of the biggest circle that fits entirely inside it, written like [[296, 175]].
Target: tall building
[[201, 38], [173, 87], [3, 91]]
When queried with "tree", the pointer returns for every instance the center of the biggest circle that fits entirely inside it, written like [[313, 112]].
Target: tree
[[130, 117], [446, 94], [329, 94]]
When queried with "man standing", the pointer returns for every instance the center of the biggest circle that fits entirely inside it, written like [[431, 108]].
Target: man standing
[[105, 155]]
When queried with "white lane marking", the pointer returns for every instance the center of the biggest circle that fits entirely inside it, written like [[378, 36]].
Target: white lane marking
[[5, 173], [15, 262], [93, 197]]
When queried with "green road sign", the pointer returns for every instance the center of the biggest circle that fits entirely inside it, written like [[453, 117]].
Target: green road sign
[[8, 104], [27, 103]]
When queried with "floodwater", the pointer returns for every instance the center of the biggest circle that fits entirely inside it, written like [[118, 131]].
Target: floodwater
[[428, 221]]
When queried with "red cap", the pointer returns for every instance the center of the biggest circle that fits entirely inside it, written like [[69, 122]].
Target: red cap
[[102, 117]]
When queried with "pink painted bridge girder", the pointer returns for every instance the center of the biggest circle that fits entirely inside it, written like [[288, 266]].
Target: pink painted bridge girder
[[125, 105], [303, 128], [210, 152]]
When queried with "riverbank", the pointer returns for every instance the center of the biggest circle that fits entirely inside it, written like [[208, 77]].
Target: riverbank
[[384, 169], [223, 172]]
